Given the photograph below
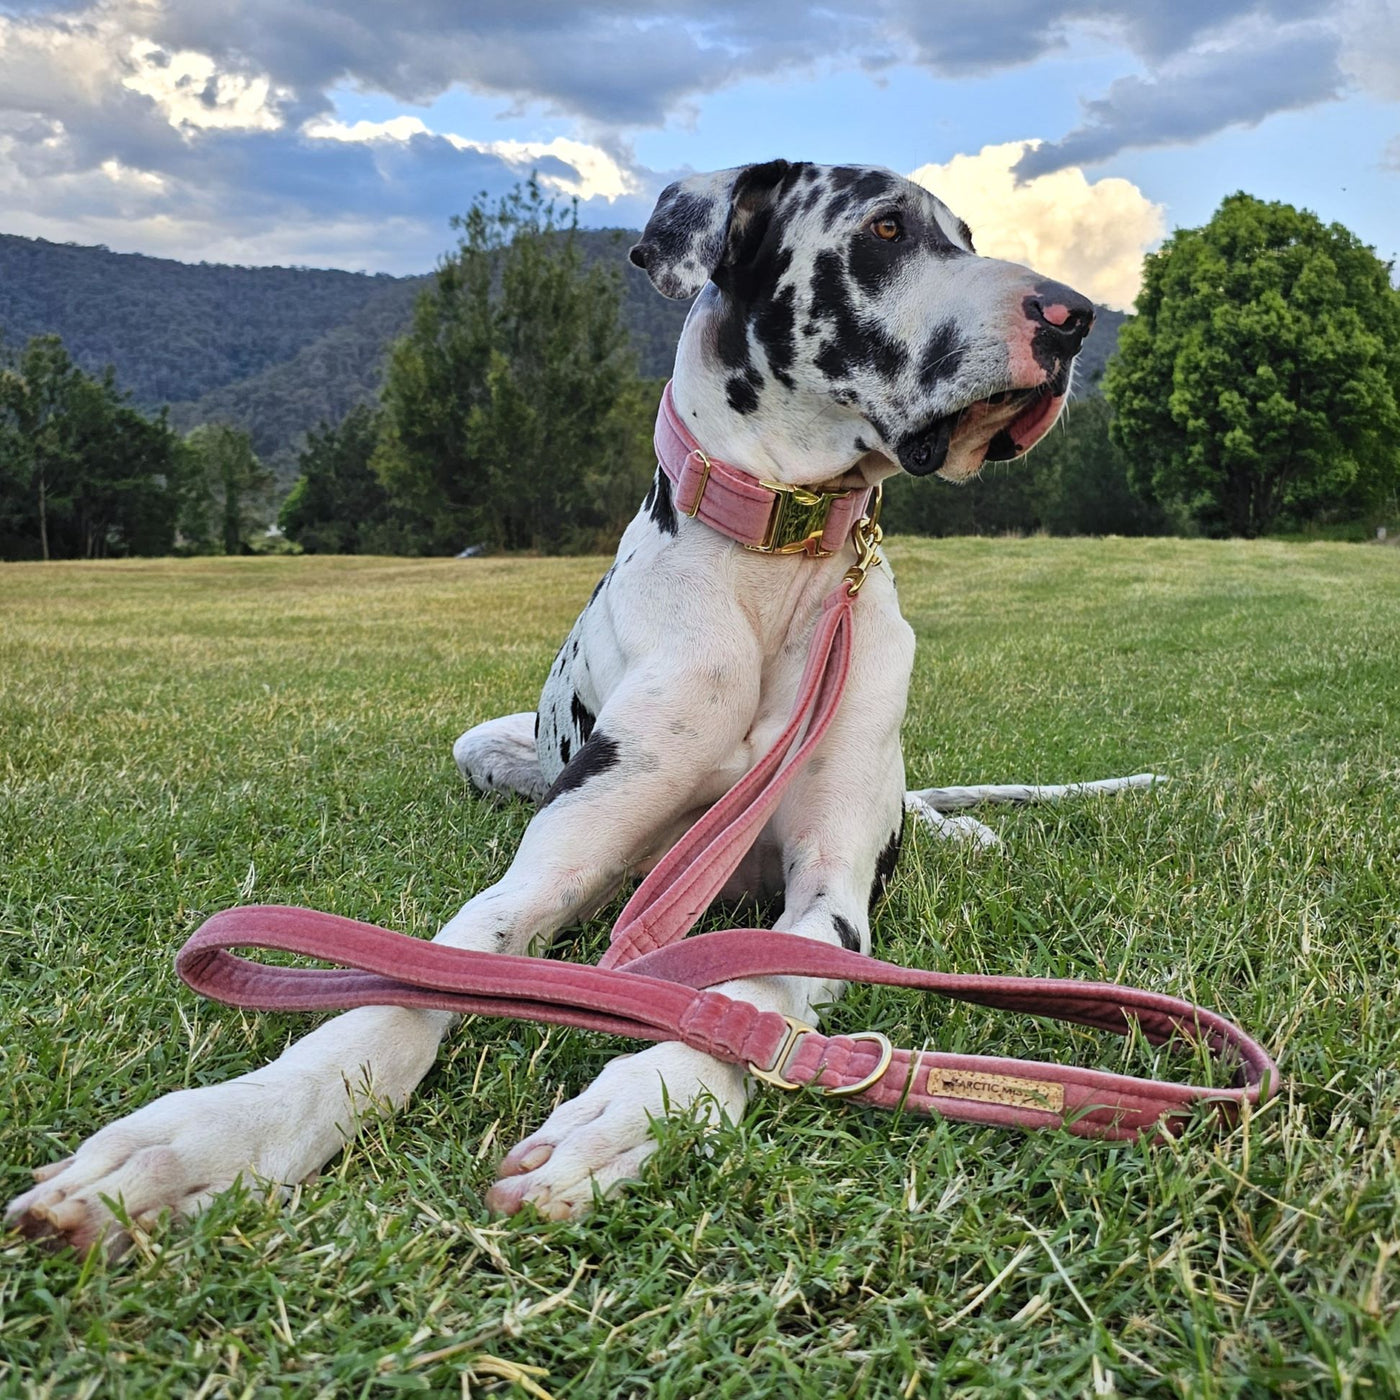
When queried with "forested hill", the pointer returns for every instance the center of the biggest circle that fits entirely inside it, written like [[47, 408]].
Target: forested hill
[[172, 330], [275, 350]]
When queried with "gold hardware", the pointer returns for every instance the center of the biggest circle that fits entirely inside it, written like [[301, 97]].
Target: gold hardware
[[774, 1075], [704, 482], [796, 1029], [798, 520], [867, 535], [840, 1091]]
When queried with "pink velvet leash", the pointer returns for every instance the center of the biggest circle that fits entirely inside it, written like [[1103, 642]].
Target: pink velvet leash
[[653, 986]]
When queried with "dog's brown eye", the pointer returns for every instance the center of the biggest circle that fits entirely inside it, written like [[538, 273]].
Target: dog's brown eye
[[888, 228]]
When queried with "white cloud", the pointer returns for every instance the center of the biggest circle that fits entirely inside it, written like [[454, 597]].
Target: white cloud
[[192, 93], [1371, 45], [596, 174], [1091, 234]]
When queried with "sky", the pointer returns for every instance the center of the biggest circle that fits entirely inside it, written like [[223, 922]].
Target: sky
[[1072, 135]]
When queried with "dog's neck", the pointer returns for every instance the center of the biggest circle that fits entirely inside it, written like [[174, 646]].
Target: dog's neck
[[796, 439]]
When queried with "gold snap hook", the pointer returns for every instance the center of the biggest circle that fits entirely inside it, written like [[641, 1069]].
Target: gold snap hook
[[867, 535]]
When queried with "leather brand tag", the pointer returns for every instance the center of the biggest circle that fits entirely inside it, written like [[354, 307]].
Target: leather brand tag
[[1007, 1089]]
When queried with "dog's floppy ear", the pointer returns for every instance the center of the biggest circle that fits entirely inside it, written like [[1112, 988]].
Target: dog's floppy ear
[[697, 222]]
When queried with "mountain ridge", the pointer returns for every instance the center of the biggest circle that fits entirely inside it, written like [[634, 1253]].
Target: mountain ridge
[[277, 350]]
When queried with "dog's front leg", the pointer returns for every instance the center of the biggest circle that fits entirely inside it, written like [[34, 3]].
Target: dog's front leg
[[284, 1121], [833, 845], [838, 829]]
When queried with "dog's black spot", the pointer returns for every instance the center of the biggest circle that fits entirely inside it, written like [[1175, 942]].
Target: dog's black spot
[[886, 355], [564, 749], [846, 932], [864, 184], [860, 444], [852, 188], [872, 259], [659, 506], [855, 342], [741, 393], [732, 337], [886, 861], [966, 235], [582, 717], [596, 757], [773, 325], [755, 305], [942, 357], [602, 582]]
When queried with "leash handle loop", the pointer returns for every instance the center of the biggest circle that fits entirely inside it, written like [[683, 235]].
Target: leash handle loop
[[666, 995]]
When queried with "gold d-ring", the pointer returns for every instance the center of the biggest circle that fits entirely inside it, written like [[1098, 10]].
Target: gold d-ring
[[774, 1075], [840, 1091]]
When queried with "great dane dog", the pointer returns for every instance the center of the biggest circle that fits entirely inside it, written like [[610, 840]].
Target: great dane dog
[[845, 329]]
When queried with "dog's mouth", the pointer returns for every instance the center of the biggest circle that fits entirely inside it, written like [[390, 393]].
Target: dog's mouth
[[995, 429]]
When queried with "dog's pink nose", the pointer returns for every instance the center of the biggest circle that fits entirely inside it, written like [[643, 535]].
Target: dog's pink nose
[[1064, 315]]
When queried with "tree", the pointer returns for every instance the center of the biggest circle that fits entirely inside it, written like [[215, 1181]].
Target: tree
[[338, 505], [82, 473], [515, 385], [226, 500], [37, 393], [1261, 376], [1087, 481]]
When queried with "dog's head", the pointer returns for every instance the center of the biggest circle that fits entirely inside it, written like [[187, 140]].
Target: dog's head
[[852, 285]]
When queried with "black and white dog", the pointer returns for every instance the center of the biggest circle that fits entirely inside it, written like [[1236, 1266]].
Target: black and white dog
[[845, 329]]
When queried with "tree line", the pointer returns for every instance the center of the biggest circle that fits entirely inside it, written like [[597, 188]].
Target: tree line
[[1256, 390], [84, 475]]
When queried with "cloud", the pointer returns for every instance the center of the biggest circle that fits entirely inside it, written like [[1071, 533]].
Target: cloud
[[1371, 46], [190, 91], [616, 62], [111, 137], [1091, 234], [635, 62], [218, 116], [565, 167], [998, 34], [1203, 91]]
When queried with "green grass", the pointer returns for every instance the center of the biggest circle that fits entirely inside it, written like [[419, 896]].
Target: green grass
[[179, 736]]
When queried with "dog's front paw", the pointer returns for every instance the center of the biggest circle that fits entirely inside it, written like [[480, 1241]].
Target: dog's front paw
[[175, 1154], [601, 1138]]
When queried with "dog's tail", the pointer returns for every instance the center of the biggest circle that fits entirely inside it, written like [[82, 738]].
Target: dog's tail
[[953, 799]]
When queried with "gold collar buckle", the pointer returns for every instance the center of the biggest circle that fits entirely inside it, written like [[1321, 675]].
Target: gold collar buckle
[[798, 521]]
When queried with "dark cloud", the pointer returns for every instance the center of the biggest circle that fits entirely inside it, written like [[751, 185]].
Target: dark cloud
[[1200, 93], [629, 62], [970, 39], [622, 62]]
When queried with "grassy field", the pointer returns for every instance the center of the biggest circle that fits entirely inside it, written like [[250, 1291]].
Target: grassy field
[[179, 736]]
